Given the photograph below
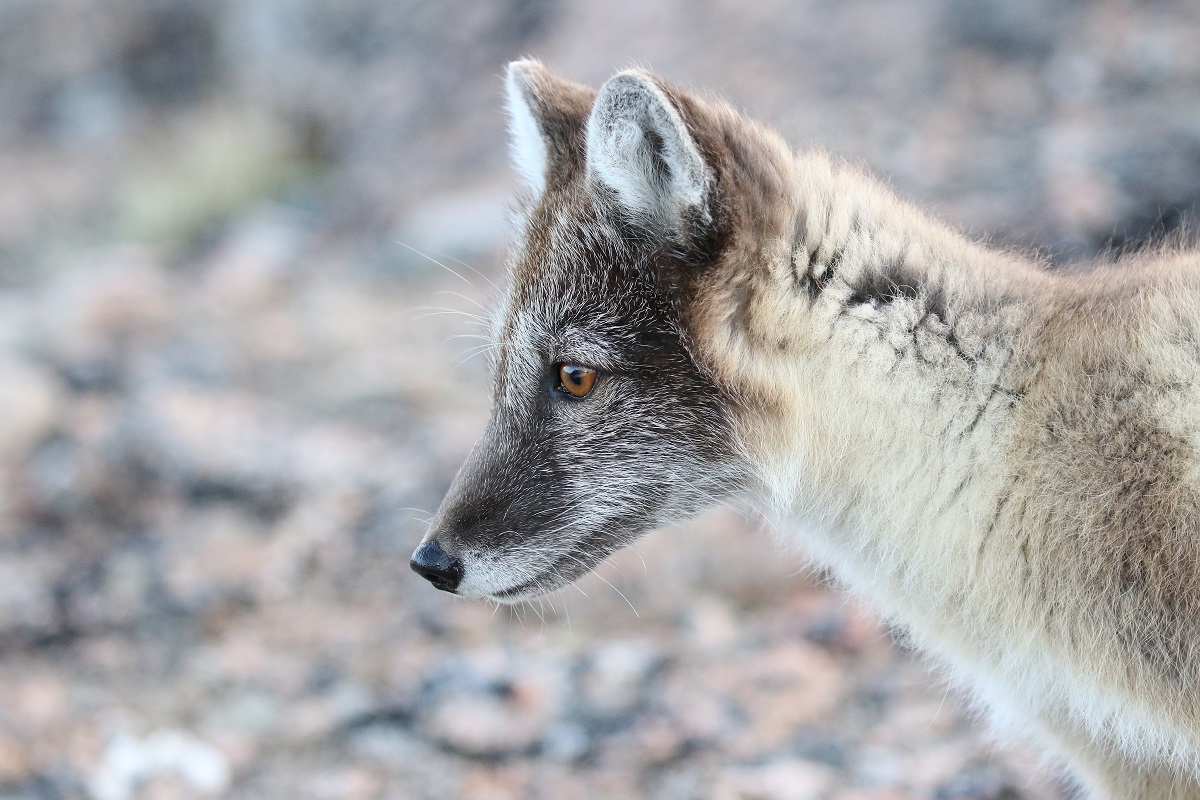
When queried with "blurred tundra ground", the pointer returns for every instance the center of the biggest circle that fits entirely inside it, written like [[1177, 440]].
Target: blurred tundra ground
[[228, 396]]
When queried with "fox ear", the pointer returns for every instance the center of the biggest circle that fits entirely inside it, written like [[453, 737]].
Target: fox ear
[[546, 116], [639, 146]]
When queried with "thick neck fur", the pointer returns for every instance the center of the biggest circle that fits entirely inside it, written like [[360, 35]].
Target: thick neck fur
[[862, 321]]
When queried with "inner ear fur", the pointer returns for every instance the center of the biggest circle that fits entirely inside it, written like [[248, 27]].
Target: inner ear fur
[[640, 147]]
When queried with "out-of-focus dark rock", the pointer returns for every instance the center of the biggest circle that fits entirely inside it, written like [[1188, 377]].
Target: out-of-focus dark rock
[[494, 707]]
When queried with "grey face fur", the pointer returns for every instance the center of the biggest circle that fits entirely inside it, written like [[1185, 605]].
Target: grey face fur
[[557, 483]]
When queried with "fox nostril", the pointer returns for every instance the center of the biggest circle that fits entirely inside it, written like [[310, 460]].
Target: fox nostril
[[434, 564]]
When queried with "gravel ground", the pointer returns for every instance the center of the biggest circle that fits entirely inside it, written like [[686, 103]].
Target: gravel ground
[[232, 388]]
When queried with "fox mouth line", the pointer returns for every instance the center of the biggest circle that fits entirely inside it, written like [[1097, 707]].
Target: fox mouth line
[[543, 584], [521, 591], [561, 572], [553, 577]]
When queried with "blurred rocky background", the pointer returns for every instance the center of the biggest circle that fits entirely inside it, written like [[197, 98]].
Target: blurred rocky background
[[232, 386]]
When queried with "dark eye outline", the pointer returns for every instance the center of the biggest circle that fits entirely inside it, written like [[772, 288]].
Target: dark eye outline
[[561, 388]]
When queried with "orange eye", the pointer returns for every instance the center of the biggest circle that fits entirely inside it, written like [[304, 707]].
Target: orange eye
[[575, 380]]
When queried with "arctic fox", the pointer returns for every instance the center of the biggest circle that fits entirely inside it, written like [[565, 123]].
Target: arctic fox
[[1002, 458]]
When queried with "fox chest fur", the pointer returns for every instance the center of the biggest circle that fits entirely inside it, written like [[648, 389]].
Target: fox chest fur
[[1002, 458]]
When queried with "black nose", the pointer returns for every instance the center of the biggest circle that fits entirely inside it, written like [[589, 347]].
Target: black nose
[[439, 568]]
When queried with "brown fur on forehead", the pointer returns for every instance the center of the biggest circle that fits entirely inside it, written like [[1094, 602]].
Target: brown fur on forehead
[[582, 266]]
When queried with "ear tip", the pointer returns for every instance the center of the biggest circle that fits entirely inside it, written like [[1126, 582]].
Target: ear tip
[[632, 80], [524, 69], [520, 80], [639, 74]]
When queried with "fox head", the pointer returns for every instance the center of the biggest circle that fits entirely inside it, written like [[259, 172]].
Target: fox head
[[606, 419]]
